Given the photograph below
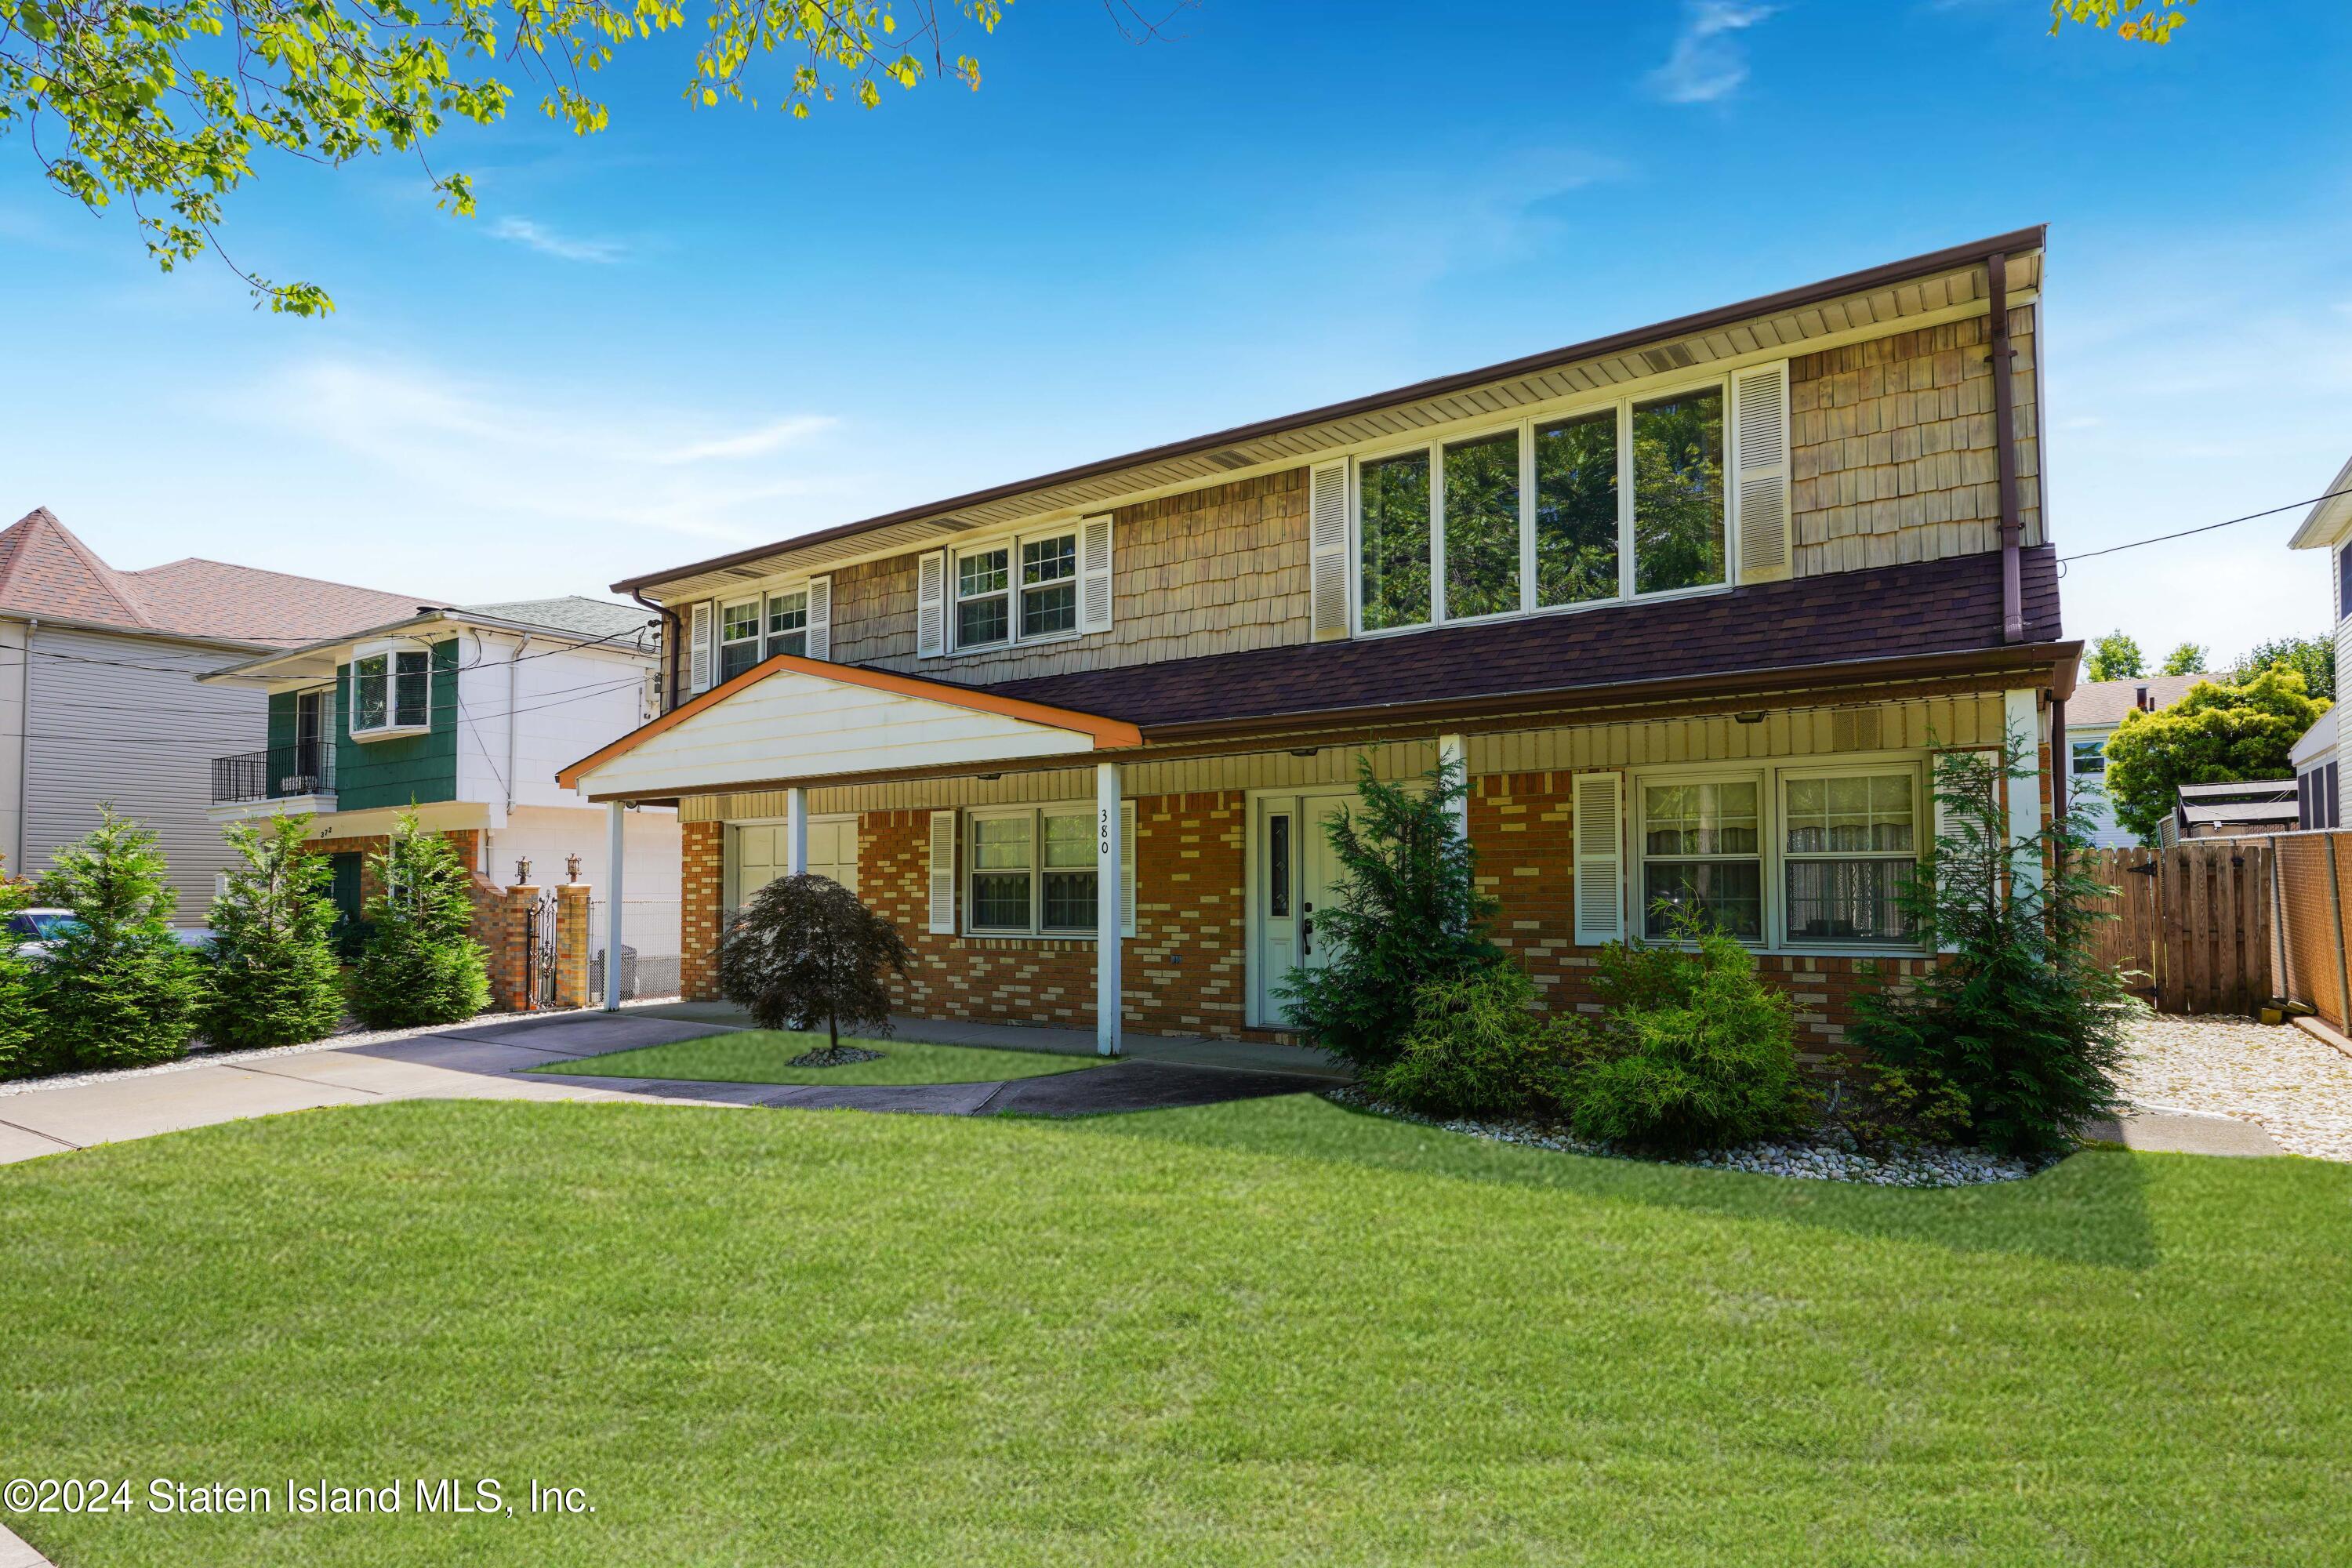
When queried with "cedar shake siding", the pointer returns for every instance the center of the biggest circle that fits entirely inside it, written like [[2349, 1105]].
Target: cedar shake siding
[[1892, 451], [1212, 571]]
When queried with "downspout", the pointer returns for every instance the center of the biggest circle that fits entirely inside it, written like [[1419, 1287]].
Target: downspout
[[2004, 435], [669, 647], [2059, 761], [512, 659]]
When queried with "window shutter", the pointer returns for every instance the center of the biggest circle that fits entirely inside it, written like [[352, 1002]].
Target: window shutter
[[698, 648], [1094, 574], [943, 871], [1127, 868], [931, 604], [1327, 549], [820, 618], [1600, 837], [1761, 444]]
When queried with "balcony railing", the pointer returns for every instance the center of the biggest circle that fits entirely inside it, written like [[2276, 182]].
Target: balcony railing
[[278, 773]]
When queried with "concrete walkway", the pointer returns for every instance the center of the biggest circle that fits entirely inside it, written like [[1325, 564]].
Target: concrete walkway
[[492, 1060]]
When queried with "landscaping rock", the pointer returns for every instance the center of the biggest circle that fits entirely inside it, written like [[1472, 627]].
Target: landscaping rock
[[833, 1057], [1927, 1166]]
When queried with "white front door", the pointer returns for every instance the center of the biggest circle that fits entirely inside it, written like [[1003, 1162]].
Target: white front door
[[1296, 871]]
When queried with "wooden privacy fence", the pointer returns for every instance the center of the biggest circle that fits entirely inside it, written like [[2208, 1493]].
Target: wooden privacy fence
[[2313, 897], [2193, 923]]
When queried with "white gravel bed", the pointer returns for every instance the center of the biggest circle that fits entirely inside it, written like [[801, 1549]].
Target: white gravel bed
[[203, 1056], [2296, 1089], [1814, 1161]]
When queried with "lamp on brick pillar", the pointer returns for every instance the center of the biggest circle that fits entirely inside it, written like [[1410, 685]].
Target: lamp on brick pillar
[[510, 968]]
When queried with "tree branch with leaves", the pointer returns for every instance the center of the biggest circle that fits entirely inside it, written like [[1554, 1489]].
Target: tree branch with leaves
[[165, 105]]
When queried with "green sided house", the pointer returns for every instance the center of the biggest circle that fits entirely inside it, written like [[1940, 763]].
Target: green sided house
[[1694, 604], [463, 715]]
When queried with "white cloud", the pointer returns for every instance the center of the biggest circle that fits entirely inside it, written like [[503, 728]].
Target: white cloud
[[449, 447], [1706, 62], [540, 238]]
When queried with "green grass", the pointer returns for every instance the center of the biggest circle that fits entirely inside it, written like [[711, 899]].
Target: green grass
[[761, 1056], [1266, 1332]]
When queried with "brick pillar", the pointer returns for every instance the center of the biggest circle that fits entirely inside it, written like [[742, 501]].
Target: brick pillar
[[510, 955], [571, 945], [701, 879]]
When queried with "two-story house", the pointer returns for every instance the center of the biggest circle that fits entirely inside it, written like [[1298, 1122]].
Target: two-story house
[[97, 699], [1695, 605], [464, 715]]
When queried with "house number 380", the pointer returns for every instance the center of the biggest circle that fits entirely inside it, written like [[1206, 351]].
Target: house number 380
[[1102, 833]]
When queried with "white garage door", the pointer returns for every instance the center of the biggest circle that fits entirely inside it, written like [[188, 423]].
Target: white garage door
[[759, 855]]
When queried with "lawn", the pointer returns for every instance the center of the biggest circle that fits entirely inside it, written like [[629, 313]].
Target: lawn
[[1272, 1331], [760, 1056]]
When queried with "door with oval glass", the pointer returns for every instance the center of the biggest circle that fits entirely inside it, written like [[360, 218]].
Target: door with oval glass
[[1295, 871]]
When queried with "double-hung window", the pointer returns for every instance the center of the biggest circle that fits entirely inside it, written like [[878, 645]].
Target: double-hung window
[[788, 623], [1850, 840], [1017, 590], [392, 691], [2090, 758], [738, 638], [1702, 850], [1621, 501], [1033, 872]]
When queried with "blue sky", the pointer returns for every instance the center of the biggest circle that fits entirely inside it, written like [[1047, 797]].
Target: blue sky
[[711, 328]]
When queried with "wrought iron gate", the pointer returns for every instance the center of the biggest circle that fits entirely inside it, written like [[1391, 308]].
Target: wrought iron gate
[[538, 952]]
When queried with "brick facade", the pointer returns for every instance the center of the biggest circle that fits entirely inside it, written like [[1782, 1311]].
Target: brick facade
[[702, 880], [1186, 970]]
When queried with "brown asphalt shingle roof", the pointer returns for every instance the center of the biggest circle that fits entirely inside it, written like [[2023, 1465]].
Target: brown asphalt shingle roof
[[1893, 612], [46, 571], [2096, 703]]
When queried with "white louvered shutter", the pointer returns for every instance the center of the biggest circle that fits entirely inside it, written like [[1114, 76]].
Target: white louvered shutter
[[1094, 574], [1326, 548], [820, 618], [1598, 827], [1760, 403], [1127, 868], [699, 646], [931, 604], [943, 871]]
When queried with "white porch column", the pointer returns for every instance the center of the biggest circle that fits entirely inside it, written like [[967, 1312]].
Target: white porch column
[[616, 836], [796, 831], [1107, 1004], [2021, 717], [1454, 756]]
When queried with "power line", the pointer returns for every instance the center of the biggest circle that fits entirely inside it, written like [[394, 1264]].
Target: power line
[[2159, 538]]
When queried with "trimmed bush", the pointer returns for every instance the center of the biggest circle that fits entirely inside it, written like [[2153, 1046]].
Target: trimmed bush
[[2020, 1017], [806, 952], [420, 964], [118, 989], [1477, 1048], [1691, 1051], [20, 1020], [275, 979], [1405, 915]]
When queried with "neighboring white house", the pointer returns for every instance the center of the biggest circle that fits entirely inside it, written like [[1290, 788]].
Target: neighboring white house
[[2317, 785], [464, 715], [2092, 715], [97, 702], [2328, 526]]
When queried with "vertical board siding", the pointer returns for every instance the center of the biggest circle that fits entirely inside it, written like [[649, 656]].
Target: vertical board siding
[[1969, 720], [123, 719]]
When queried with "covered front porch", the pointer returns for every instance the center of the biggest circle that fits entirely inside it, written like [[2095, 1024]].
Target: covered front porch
[[1060, 870]]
